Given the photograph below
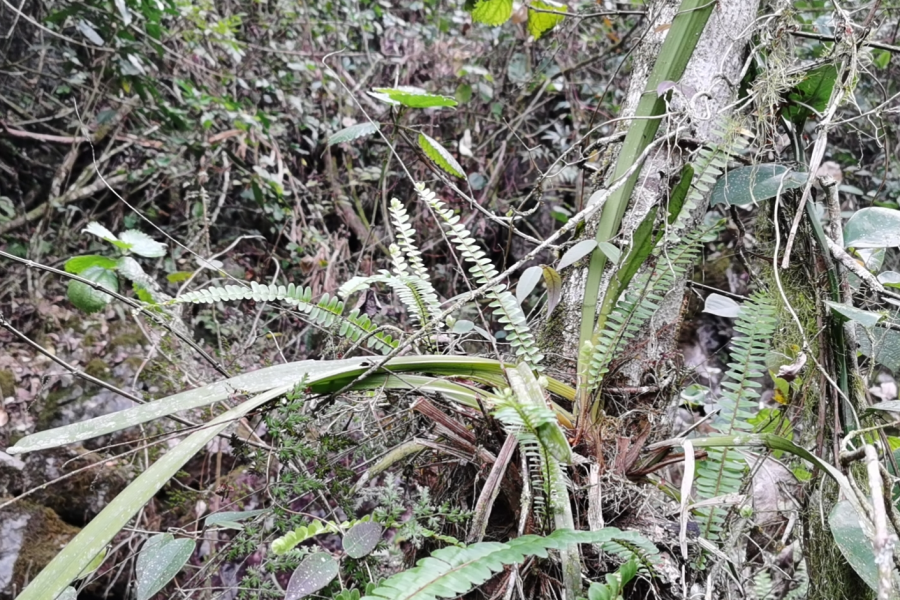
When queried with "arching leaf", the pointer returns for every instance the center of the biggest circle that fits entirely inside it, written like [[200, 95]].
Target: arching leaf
[[554, 287], [722, 306], [315, 572], [440, 155], [865, 318], [354, 132], [141, 244], [78, 264]]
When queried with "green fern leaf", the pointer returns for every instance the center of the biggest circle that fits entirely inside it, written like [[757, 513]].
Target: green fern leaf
[[452, 572], [723, 470]]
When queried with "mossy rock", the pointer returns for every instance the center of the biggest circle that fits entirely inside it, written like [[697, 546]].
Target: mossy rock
[[30, 536], [7, 383]]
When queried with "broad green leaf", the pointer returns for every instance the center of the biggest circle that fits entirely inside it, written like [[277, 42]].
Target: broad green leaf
[[315, 572], [889, 279], [888, 405], [142, 244], [853, 542], [354, 132], [611, 252], [159, 561], [362, 539], [642, 244], [722, 306], [78, 264], [100, 231], [813, 92], [492, 12], [886, 351], [440, 155], [541, 22], [179, 276], [414, 97], [554, 288], [851, 313], [462, 326], [94, 537], [576, 253], [527, 282], [232, 519], [882, 59], [88, 299], [756, 183], [873, 227]]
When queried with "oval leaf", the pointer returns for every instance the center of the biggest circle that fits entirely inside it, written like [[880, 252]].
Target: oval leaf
[[542, 22], [414, 97], [362, 539], [492, 12], [315, 572], [79, 264], [142, 244], [611, 252], [873, 227], [851, 313], [889, 279], [440, 155], [554, 288], [159, 562], [576, 253], [88, 299], [354, 132], [230, 519], [853, 542], [527, 282], [723, 306], [746, 185], [462, 326]]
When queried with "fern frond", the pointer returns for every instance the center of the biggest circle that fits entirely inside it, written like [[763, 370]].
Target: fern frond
[[505, 305], [326, 312], [723, 470], [291, 539], [416, 294], [406, 240], [452, 572], [709, 163], [639, 303]]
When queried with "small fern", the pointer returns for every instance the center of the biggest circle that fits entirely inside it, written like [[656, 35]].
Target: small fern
[[709, 164], [299, 535], [452, 572], [505, 305], [327, 312], [639, 303], [723, 470]]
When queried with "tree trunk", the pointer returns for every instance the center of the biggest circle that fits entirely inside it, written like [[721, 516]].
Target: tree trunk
[[711, 78]]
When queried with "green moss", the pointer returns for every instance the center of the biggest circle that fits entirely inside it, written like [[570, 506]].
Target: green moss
[[7, 383], [97, 368], [127, 340], [45, 535]]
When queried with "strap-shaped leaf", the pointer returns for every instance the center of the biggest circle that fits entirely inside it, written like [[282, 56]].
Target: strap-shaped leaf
[[440, 155]]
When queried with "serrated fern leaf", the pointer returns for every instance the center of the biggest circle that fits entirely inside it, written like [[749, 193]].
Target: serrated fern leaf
[[638, 305], [709, 164], [505, 305], [452, 572], [327, 312], [723, 470]]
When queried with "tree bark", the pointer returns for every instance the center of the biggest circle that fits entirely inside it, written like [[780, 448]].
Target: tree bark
[[711, 79]]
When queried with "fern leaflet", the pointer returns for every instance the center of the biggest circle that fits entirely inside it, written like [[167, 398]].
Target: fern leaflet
[[505, 305], [723, 471], [326, 312], [451, 572]]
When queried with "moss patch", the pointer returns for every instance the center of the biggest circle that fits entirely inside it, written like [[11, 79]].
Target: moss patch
[[7, 383]]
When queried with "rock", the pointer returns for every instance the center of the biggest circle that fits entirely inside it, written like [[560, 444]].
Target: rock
[[30, 536]]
